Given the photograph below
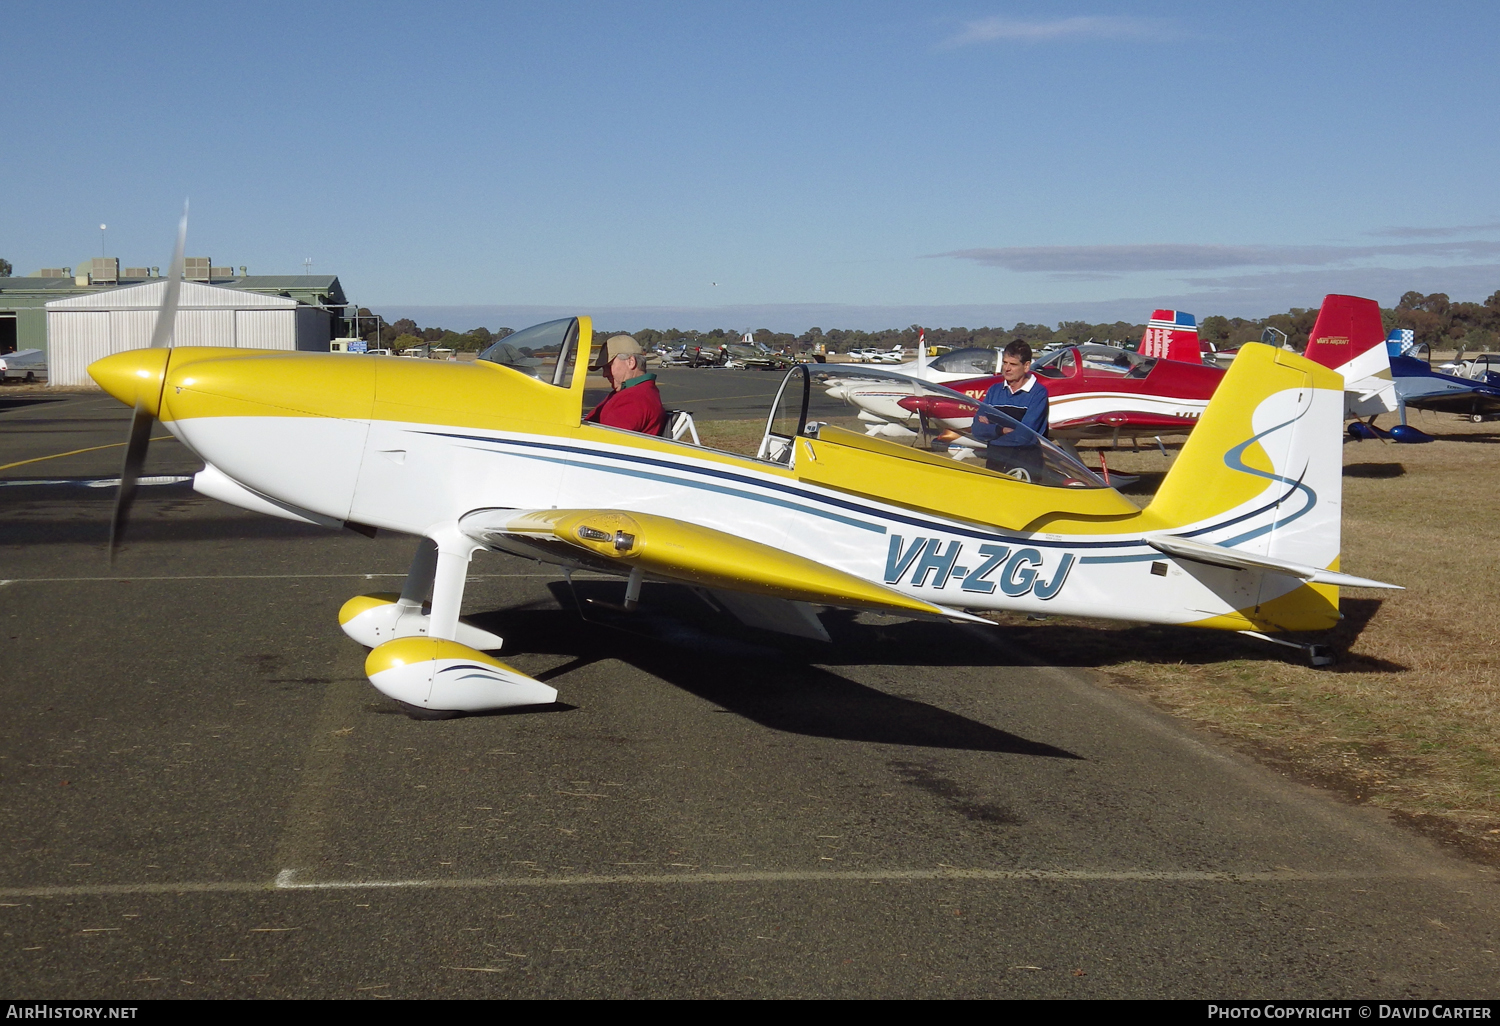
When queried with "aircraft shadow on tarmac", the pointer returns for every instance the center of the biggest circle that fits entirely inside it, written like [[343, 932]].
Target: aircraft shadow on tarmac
[[1063, 642], [20, 402], [743, 671], [73, 514], [784, 682], [60, 426], [1081, 643], [43, 531], [1477, 439]]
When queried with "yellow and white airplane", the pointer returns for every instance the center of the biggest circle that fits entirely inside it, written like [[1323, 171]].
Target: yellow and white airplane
[[1243, 534]]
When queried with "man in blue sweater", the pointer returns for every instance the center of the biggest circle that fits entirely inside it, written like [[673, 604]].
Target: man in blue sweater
[[1009, 450]]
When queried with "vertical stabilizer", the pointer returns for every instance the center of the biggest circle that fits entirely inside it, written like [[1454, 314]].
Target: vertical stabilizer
[[1348, 339], [1262, 473], [1172, 335]]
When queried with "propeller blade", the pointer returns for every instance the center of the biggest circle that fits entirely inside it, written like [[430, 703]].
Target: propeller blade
[[130, 472], [167, 315], [140, 420]]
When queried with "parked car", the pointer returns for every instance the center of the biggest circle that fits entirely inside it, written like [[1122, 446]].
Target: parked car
[[26, 365]]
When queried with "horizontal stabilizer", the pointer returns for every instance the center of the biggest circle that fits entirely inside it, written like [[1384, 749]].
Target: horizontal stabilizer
[[673, 549], [1235, 559]]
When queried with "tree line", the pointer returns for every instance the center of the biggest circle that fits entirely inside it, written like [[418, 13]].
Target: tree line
[[1435, 320]]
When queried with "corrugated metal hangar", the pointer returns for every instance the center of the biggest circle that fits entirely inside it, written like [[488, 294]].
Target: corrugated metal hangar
[[26, 319], [82, 329]]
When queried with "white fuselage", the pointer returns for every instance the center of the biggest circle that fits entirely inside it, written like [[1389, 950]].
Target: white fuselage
[[413, 477]]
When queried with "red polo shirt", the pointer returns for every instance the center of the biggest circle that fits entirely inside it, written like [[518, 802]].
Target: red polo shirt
[[635, 407]]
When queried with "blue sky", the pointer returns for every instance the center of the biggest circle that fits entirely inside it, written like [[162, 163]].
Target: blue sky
[[768, 164]]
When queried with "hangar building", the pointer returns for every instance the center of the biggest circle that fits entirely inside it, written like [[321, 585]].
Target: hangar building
[[25, 303], [82, 329]]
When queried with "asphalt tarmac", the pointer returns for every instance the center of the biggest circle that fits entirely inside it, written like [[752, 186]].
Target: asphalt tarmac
[[202, 796]]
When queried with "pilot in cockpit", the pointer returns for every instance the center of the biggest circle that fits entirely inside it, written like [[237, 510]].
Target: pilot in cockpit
[[635, 403]]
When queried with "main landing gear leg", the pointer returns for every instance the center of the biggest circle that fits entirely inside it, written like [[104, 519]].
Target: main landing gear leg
[[450, 575], [1317, 655], [442, 674], [418, 587], [372, 620]]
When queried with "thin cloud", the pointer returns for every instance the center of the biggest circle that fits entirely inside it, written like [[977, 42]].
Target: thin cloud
[[990, 30], [1434, 233], [1073, 260], [1464, 279], [1254, 295], [1083, 276]]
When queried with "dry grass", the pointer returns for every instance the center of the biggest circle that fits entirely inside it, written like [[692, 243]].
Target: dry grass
[[1409, 718], [741, 436]]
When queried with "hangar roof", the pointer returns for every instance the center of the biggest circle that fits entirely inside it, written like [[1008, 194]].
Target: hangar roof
[[313, 290], [148, 296], [37, 285]]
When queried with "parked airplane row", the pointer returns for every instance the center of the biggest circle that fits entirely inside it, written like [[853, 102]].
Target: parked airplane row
[[1164, 385], [746, 353]]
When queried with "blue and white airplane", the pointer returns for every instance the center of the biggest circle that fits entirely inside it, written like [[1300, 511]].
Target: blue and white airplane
[[1470, 388]]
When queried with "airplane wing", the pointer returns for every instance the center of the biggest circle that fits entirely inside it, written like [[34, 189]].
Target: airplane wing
[[1235, 559], [674, 550]]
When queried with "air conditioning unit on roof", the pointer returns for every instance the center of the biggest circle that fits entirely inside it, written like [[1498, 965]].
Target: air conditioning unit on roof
[[104, 270]]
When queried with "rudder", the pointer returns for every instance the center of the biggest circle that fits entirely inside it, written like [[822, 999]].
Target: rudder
[[1348, 338], [1172, 335]]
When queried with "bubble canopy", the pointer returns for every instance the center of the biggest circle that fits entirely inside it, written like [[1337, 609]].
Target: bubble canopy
[[917, 412], [559, 336]]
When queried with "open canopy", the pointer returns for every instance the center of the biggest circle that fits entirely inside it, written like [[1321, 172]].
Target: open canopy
[[927, 410]]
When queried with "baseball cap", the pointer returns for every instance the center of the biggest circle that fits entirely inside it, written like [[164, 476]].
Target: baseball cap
[[618, 345]]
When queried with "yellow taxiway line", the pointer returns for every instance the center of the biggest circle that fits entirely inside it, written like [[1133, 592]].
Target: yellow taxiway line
[[72, 452]]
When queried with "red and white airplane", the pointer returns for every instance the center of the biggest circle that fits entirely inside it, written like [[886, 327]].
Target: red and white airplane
[[1349, 337], [1095, 391]]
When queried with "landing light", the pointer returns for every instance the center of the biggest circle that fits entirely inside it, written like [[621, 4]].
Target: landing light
[[623, 542]]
